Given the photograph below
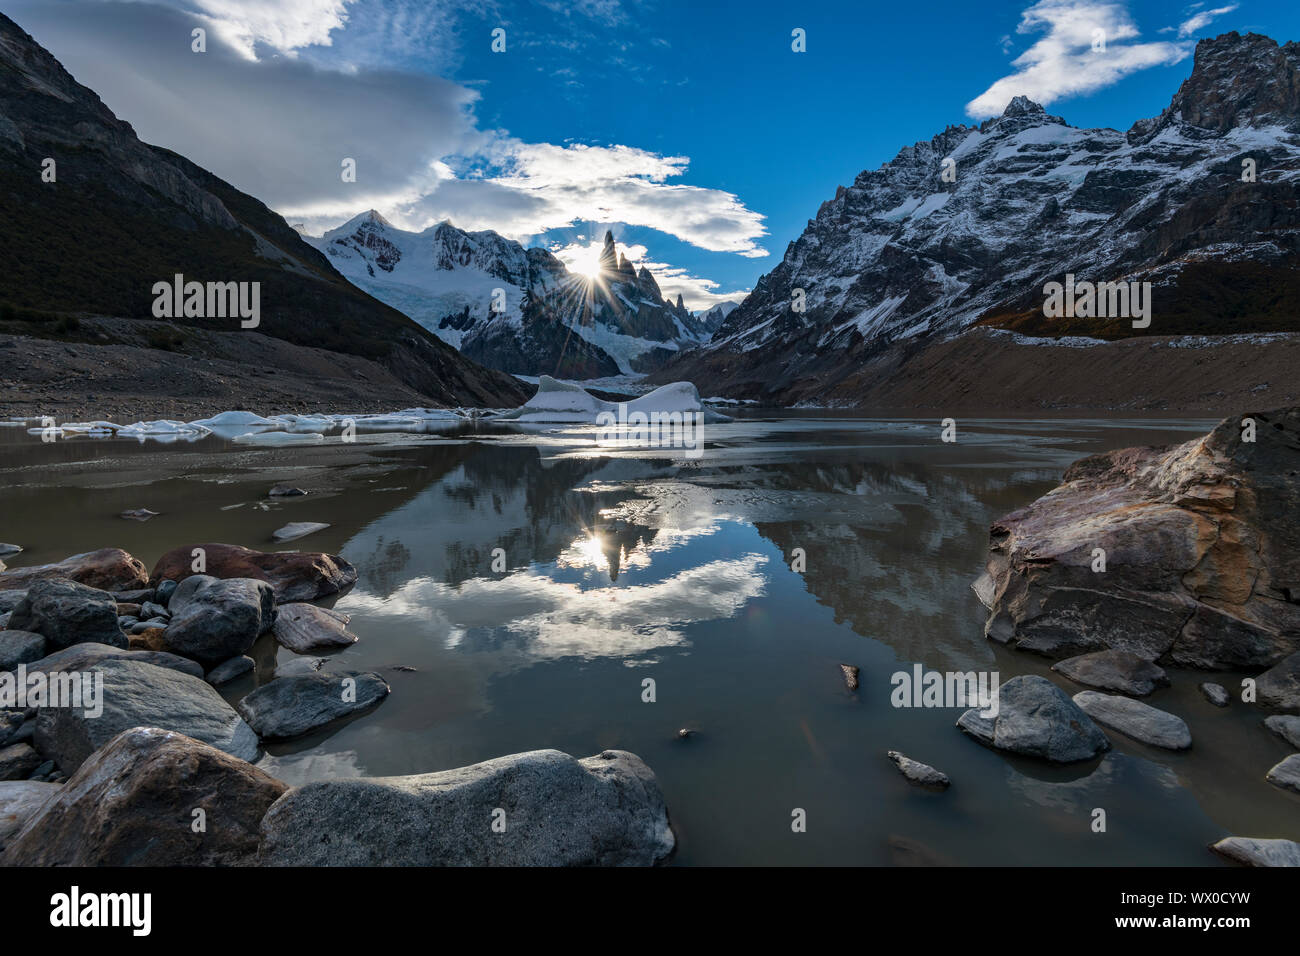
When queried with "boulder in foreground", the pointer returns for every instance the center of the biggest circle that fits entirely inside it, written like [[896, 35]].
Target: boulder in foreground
[[292, 706], [133, 804], [67, 613], [606, 810], [1036, 719], [108, 569], [214, 620], [19, 800], [1250, 851], [1201, 545], [1142, 722], [293, 575]]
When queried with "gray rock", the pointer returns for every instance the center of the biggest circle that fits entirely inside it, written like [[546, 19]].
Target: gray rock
[[17, 761], [298, 529], [127, 621], [850, 673], [11, 721], [139, 514], [1135, 719], [163, 593], [1277, 687], [1288, 728], [8, 549], [300, 665], [139, 627], [1286, 774], [1252, 851], [19, 800], [132, 804], [43, 771], [20, 647], [9, 599], [292, 706], [1216, 694], [304, 628], [605, 810], [231, 669], [214, 620], [1036, 719], [919, 773], [67, 613], [82, 657], [142, 695], [1118, 670], [137, 597], [150, 610], [285, 491]]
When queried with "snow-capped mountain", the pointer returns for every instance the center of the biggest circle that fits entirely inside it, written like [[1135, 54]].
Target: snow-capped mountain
[[515, 309], [1202, 201], [712, 320]]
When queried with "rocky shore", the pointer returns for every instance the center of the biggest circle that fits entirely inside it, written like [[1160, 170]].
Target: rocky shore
[[116, 749]]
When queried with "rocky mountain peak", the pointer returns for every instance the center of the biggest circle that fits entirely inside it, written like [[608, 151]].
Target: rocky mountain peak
[[1021, 106]]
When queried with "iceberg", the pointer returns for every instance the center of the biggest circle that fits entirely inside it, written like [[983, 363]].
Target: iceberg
[[279, 438], [162, 428], [561, 402], [234, 418]]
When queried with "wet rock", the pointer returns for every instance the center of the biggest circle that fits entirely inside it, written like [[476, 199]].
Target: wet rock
[[293, 575], [1036, 719], [82, 657], [214, 620], [1286, 774], [1118, 670], [919, 773], [285, 491], [8, 549], [139, 514], [1216, 694], [605, 810], [1288, 728], [17, 761], [19, 799], [20, 647], [850, 676], [109, 569], [1135, 719], [304, 628], [1277, 687], [225, 672], [1252, 851], [1201, 544], [163, 593], [67, 613], [142, 695], [292, 706], [299, 666], [133, 803], [298, 529]]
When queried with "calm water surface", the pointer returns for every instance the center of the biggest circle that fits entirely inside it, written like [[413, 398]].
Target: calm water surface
[[625, 567]]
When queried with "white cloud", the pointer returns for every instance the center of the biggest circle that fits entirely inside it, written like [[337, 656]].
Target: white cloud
[[1201, 20], [286, 25], [698, 293], [1064, 62]]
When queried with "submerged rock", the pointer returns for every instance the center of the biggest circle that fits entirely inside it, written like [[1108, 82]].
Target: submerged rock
[[1036, 719], [142, 695], [919, 773], [304, 628], [1277, 687], [1118, 670], [292, 706], [109, 569], [293, 575], [1286, 774], [67, 613], [1216, 694], [550, 810], [1135, 719], [19, 800], [1288, 728], [1201, 543], [214, 620], [134, 803], [1252, 851]]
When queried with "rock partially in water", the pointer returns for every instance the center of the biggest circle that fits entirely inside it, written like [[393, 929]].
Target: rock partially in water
[[139, 514], [67, 613], [1201, 551], [1216, 694], [285, 491], [298, 666], [1286, 727], [1118, 670], [1251, 851], [1286, 774], [850, 676], [293, 575], [551, 810], [17, 761], [234, 668], [133, 803], [304, 628], [919, 773], [1278, 687], [20, 647], [1135, 719], [292, 706], [298, 529], [19, 800], [8, 549], [142, 695], [109, 569], [1036, 719], [214, 620]]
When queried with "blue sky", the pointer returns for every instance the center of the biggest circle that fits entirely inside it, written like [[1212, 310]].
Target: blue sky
[[691, 129]]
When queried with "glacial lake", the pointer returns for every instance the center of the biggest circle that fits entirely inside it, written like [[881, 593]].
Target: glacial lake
[[625, 565]]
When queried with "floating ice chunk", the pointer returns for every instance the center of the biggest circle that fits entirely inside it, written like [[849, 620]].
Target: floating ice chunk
[[162, 427], [91, 428], [279, 438], [235, 418], [562, 402]]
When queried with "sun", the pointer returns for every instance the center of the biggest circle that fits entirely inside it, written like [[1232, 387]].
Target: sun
[[583, 260]]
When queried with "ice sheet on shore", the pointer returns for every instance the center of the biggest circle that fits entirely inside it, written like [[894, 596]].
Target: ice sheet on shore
[[563, 403]]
